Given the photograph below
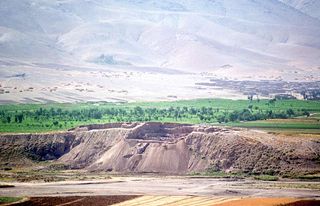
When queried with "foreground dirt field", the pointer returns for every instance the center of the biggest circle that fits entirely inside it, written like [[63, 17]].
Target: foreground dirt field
[[270, 202], [176, 201], [217, 201], [75, 201], [165, 201]]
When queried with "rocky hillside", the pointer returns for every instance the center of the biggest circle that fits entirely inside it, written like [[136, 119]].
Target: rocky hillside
[[166, 148]]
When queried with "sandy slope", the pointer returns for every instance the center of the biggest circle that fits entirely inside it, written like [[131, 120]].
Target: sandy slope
[[166, 148]]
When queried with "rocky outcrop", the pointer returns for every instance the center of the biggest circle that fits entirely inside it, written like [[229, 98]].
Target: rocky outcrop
[[169, 148]]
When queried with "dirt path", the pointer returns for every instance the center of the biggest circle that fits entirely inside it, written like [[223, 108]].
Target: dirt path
[[168, 186]]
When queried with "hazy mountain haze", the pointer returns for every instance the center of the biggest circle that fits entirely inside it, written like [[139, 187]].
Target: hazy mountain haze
[[75, 50], [309, 7], [192, 36]]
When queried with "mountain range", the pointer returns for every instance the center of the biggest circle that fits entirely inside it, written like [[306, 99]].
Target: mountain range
[[279, 37]]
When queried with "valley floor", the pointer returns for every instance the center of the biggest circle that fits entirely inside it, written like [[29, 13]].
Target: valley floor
[[158, 190], [168, 186]]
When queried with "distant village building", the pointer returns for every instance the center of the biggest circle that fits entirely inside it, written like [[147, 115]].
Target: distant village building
[[297, 95]]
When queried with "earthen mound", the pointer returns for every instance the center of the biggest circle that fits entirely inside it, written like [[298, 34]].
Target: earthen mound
[[169, 149]]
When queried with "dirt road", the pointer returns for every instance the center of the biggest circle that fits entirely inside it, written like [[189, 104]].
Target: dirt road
[[168, 186]]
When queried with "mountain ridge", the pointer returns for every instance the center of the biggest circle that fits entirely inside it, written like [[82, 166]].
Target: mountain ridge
[[174, 34], [309, 7]]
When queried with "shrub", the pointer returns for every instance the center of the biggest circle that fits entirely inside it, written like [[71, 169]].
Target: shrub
[[266, 178]]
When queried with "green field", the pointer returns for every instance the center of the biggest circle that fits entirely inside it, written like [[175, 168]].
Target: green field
[[5, 200], [294, 125], [297, 114]]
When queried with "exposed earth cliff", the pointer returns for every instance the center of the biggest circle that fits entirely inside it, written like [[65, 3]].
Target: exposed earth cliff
[[166, 148]]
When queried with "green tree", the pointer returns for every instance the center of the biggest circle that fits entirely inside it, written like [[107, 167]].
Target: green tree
[[55, 123], [290, 112], [306, 113], [18, 118]]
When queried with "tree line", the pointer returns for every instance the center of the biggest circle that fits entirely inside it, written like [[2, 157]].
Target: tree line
[[118, 114]]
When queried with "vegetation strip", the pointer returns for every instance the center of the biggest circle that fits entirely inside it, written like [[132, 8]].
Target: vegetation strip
[[6, 200], [243, 113]]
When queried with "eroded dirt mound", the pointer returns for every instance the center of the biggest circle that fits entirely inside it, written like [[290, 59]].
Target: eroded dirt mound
[[170, 148], [23, 149]]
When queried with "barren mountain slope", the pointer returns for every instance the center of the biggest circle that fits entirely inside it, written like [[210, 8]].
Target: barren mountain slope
[[195, 36], [309, 7], [150, 50], [168, 148]]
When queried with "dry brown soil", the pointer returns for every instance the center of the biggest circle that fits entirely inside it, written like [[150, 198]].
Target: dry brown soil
[[76, 201], [165, 201]]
